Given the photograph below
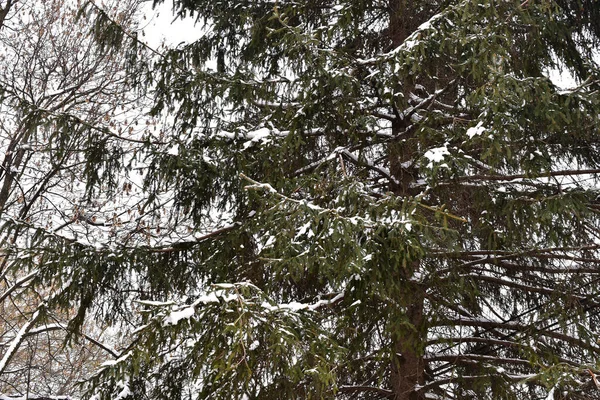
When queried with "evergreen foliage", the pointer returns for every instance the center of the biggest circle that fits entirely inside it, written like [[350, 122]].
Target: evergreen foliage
[[364, 200]]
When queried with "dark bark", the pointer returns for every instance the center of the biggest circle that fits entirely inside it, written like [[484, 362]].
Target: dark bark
[[408, 340], [11, 163], [4, 11], [408, 366]]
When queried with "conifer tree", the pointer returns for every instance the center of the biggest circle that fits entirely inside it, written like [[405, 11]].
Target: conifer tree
[[366, 200]]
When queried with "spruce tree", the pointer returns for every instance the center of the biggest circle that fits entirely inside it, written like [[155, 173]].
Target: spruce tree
[[375, 199]]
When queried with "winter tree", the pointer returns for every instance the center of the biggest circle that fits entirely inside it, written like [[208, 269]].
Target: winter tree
[[356, 200]]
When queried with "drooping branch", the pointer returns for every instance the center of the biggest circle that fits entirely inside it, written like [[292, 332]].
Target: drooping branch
[[476, 358], [519, 327], [570, 172]]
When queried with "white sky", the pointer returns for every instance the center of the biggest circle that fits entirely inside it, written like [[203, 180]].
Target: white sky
[[563, 80], [162, 27]]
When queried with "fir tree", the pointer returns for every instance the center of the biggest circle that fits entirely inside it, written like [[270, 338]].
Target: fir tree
[[411, 206]]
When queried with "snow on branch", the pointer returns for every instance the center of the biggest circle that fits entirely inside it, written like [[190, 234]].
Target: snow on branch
[[16, 342], [19, 283]]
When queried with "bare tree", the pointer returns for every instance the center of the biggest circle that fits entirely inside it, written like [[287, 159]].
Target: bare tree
[[65, 101]]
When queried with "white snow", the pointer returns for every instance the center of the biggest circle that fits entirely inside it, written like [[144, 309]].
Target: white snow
[[436, 155], [254, 345], [110, 363], [295, 306], [258, 136], [154, 303], [125, 392], [224, 285], [176, 316], [476, 130], [305, 229]]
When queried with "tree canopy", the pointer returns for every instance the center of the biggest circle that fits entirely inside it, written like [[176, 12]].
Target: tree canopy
[[332, 199]]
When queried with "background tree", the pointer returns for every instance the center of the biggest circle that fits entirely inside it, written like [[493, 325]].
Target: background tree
[[65, 101], [383, 199]]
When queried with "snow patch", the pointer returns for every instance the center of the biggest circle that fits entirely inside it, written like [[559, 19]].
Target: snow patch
[[476, 130], [152, 303], [110, 363], [125, 391], [254, 345], [176, 316], [436, 155], [258, 136], [295, 306]]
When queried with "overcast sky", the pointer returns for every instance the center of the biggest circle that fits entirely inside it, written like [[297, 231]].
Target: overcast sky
[[160, 26]]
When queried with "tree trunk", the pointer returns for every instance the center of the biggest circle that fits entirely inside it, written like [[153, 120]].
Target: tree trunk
[[407, 367], [408, 371]]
